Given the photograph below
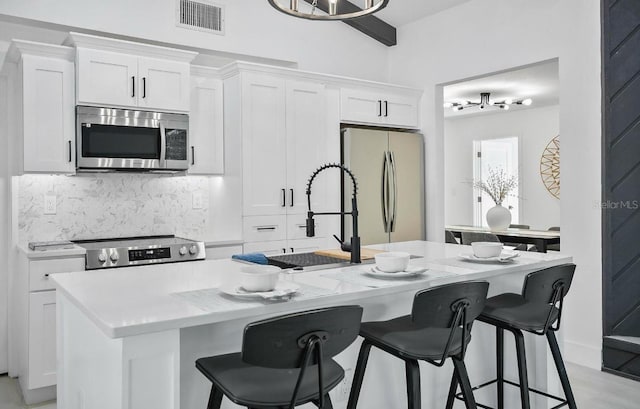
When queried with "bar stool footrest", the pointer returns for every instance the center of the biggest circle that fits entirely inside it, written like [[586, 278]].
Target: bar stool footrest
[[563, 402]]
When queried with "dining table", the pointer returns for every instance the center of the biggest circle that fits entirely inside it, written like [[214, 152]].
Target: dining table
[[541, 239]]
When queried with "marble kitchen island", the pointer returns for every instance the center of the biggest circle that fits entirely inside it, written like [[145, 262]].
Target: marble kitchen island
[[128, 338]]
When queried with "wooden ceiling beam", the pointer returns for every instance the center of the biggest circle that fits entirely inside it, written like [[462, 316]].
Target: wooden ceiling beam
[[370, 25]]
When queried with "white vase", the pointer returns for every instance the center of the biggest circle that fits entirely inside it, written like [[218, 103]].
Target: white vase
[[498, 218]]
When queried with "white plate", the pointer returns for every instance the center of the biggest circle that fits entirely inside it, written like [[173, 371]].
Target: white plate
[[504, 257], [409, 272], [282, 289]]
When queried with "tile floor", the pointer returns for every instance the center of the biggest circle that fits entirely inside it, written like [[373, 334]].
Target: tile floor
[[593, 390]]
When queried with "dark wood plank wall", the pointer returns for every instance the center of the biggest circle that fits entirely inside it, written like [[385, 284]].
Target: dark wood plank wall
[[621, 182]]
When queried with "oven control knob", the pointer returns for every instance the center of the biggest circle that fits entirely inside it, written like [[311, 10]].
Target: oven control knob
[[193, 249], [102, 257], [114, 257], [183, 250]]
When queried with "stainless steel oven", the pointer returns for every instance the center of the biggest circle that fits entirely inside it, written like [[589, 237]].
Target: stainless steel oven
[[120, 139]]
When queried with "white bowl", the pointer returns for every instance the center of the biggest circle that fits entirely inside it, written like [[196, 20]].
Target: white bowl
[[486, 249], [393, 261], [259, 277]]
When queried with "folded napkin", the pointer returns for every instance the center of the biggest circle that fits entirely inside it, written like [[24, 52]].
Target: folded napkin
[[256, 258]]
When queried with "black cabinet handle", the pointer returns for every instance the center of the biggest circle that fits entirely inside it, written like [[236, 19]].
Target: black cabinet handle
[[70, 158], [46, 276], [386, 108], [133, 86], [379, 108], [284, 197], [144, 87], [291, 197], [284, 250], [271, 228], [292, 250], [193, 155]]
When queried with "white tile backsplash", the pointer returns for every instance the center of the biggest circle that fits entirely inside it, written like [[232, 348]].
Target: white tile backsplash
[[112, 205]]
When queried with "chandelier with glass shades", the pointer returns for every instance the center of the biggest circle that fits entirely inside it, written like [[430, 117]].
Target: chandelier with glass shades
[[335, 9], [486, 102]]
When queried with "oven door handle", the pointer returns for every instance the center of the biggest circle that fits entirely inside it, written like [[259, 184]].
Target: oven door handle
[[163, 146]]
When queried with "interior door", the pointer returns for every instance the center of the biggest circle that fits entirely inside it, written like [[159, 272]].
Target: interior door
[[364, 154], [407, 211]]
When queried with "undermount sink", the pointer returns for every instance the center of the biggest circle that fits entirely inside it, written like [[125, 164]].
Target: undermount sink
[[309, 261]]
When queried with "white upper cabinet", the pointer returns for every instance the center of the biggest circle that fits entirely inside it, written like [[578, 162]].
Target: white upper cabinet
[[264, 144], [206, 123], [41, 108], [306, 144], [127, 74], [284, 140], [107, 78], [393, 107], [163, 84]]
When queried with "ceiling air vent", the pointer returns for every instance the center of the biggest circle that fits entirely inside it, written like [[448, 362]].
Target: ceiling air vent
[[200, 15]]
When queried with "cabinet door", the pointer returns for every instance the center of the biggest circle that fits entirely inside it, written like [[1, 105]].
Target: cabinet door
[[306, 245], [206, 138], [163, 84], [306, 145], [268, 248], [263, 145], [361, 106], [106, 78], [49, 115], [42, 339], [401, 110]]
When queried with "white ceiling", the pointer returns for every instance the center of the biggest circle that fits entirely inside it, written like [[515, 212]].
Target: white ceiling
[[539, 82], [400, 12]]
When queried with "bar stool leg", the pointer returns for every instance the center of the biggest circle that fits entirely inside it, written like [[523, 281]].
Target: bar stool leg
[[500, 366], [465, 385], [215, 398], [522, 369], [358, 375], [327, 403], [562, 371], [412, 370], [452, 390]]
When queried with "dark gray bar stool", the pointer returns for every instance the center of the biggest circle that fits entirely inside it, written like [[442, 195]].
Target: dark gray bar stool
[[285, 361], [438, 328], [537, 310]]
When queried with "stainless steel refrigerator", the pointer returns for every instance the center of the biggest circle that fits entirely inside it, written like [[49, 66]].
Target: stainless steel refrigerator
[[389, 168]]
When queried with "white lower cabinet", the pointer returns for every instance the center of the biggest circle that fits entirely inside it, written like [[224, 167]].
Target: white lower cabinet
[[273, 235], [274, 248], [42, 339], [34, 297]]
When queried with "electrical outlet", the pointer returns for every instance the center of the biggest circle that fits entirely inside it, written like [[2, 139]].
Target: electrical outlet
[[197, 200], [344, 387], [50, 204]]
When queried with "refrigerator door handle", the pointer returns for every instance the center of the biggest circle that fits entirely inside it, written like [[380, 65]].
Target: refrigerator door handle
[[385, 193], [394, 188]]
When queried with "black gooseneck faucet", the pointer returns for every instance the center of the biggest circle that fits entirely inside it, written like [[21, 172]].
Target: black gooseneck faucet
[[355, 239]]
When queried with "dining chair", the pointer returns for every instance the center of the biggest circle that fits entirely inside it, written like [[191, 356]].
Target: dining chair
[[449, 237], [472, 237]]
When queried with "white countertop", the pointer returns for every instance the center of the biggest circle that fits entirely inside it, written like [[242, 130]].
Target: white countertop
[[72, 251], [136, 300]]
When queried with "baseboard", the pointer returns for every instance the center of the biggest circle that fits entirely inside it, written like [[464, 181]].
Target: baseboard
[[40, 395], [581, 354]]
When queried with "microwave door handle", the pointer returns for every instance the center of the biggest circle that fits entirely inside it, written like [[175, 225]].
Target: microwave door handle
[[163, 146]]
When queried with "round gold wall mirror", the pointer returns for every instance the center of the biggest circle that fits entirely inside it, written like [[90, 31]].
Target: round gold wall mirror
[[550, 167]]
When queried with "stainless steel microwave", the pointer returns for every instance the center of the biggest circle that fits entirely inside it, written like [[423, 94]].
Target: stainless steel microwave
[[120, 139]]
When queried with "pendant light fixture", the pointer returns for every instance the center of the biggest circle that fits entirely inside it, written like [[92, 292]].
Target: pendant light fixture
[[327, 9], [485, 102]]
